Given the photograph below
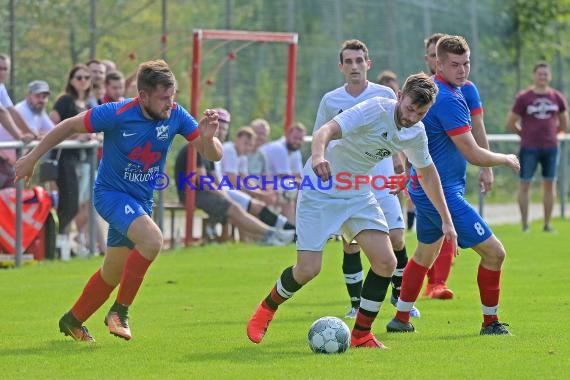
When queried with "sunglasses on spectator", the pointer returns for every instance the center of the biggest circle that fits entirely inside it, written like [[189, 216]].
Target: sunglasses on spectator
[[81, 77]]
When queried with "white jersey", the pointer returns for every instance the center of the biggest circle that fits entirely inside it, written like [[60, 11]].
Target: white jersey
[[369, 135], [338, 100]]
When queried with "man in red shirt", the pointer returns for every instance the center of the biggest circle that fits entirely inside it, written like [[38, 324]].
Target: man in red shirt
[[538, 114]]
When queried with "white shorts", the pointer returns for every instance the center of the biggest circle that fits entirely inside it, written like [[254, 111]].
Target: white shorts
[[241, 198], [319, 216], [392, 210]]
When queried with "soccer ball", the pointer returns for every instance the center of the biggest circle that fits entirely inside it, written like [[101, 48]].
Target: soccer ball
[[329, 335]]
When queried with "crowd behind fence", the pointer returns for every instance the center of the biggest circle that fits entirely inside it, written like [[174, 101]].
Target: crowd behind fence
[[91, 146]]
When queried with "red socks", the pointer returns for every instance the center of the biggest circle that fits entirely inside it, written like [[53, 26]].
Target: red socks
[[439, 271], [133, 274], [94, 295], [489, 289], [412, 282], [364, 323]]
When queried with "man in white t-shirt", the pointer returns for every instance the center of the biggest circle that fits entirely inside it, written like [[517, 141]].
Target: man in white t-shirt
[[284, 159], [354, 65], [33, 108], [336, 195]]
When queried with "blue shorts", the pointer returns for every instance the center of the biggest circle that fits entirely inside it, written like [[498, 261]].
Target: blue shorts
[[119, 210], [530, 157], [471, 228]]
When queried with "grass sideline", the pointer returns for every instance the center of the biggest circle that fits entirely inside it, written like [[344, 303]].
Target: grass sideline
[[189, 319]]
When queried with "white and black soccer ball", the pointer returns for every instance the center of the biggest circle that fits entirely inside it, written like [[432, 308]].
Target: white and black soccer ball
[[329, 335]]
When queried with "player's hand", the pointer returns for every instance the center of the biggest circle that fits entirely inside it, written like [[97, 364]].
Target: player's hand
[[450, 235], [399, 166], [398, 188], [209, 124], [486, 179], [322, 168], [513, 162], [24, 168]]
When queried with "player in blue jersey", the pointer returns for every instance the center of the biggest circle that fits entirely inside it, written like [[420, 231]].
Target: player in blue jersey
[[439, 272], [137, 136], [451, 145]]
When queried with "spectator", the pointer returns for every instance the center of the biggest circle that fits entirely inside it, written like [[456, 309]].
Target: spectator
[[109, 65], [98, 71], [284, 159], [33, 108], [69, 104], [12, 127], [114, 87], [256, 161], [389, 79], [538, 114], [220, 208], [234, 169]]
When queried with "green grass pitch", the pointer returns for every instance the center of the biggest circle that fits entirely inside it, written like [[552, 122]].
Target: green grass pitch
[[189, 319]]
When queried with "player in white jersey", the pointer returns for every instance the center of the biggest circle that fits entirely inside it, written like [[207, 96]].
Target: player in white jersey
[[335, 194], [354, 64]]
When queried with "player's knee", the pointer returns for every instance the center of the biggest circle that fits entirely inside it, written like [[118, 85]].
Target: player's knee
[[496, 256], [385, 266], [151, 245], [398, 244], [307, 272], [391, 263], [500, 254]]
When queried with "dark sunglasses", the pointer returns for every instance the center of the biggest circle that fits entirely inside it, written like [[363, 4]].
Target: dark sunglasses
[[81, 77]]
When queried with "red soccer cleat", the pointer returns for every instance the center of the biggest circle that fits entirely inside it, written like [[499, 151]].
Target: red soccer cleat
[[439, 291], [118, 325], [258, 323], [367, 341], [79, 333]]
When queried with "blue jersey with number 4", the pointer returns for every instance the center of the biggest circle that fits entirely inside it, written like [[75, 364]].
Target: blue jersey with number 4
[[134, 147]]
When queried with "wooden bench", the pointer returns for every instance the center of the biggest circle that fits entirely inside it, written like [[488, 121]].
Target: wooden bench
[[172, 207], [227, 230]]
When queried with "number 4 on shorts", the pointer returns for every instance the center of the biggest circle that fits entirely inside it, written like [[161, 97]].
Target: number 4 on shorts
[[129, 210]]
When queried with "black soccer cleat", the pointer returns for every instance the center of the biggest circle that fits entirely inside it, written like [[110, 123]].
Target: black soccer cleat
[[395, 325], [495, 328]]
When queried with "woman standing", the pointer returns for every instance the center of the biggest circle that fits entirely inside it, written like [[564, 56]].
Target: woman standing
[[69, 104]]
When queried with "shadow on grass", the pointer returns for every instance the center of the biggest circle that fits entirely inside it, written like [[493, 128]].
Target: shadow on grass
[[251, 353], [52, 348]]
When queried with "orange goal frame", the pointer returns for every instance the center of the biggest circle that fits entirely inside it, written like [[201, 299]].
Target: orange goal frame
[[201, 35]]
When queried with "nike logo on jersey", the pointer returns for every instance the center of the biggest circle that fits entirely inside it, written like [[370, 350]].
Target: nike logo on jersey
[[125, 134]]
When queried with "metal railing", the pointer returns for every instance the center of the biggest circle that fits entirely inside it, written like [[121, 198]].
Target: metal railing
[[91, 147]]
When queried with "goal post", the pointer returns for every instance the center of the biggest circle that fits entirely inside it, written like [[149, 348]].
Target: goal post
[[201, 35]]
